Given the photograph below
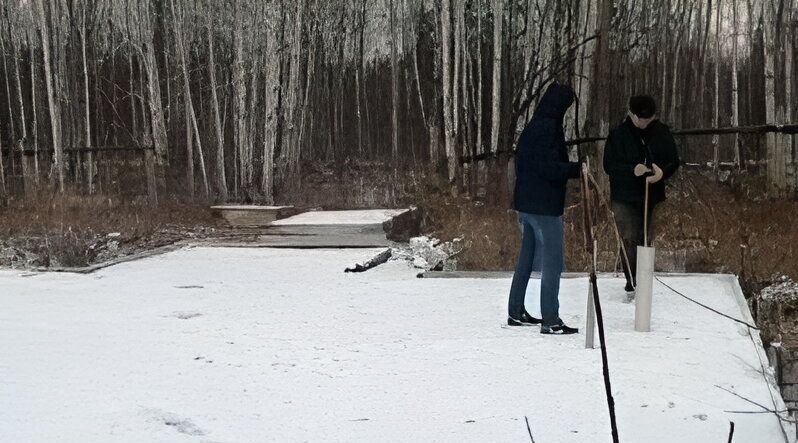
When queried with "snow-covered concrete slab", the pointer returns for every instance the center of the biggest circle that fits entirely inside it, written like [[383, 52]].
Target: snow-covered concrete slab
[[338, 229], [349, 217], [252, 215], [237, 344]]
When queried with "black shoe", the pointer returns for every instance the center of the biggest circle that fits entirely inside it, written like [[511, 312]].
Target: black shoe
[[630, 292], [560, 329], [524, 320]]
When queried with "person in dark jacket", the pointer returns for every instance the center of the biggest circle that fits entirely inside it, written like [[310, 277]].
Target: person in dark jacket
[[639, 152], [542, 170]]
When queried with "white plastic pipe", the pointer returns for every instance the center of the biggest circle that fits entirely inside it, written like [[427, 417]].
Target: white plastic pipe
[[643, 290]]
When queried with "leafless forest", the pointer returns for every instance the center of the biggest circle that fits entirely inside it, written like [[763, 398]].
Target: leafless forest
[[227, 99]]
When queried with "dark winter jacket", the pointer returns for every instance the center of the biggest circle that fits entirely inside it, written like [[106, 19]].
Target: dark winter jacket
[[541, 160], [628, 146]]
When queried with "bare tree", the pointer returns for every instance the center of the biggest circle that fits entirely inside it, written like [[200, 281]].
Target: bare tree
[[221, 176], [775, 157], [54, 107], [735, 104], [495, 127]]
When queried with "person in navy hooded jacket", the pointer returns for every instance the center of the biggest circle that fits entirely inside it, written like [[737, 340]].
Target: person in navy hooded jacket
[[542, 171]]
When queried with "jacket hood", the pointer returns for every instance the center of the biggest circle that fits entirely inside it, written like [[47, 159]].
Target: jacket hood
[[555, 101]]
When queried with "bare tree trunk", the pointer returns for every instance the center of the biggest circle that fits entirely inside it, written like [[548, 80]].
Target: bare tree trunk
[[465, 130], [600, 89], [55, 112], [23, 143], [240, 96], [221, 177], [480, 148], [35, 122], [12, 126], [361, 81], [189, 150], [191, 116], [495, 127], [457, 21], [394, 89], [290, 150], [3, 191], [786, 139], [715, 117], [89, 159], [735, 116], [157, 121], [775, 158], [448, 122]]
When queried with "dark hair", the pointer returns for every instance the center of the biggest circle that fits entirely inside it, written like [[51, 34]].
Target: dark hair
[[643, 106]]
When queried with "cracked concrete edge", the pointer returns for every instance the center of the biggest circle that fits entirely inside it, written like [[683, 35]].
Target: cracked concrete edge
[[536, 275], [788, 428]]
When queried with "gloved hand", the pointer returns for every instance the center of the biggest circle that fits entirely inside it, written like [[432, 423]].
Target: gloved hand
[[641, 170], [657, 174]]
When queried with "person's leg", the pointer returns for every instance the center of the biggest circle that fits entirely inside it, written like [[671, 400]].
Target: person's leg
[[630, 226], [523, 269], [549, 237]]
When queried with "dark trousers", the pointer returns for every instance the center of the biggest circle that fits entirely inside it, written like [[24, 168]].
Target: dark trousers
[[629, 218], [541, 248]]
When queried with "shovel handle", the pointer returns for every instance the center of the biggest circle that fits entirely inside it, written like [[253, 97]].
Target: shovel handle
[[645, 218]]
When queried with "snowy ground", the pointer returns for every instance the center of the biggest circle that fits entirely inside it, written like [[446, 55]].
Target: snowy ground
[[240, 345]]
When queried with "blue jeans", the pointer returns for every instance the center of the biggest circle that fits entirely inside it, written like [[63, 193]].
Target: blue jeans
[[541, 249]]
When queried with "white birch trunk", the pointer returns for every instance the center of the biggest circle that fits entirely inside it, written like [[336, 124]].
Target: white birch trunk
[[735, 112], [394, 88], [55, 110], [35, 122], [221, 177], [775, 158], [786, 114], [89, 157], [448, 122], [495, 127], [716, 113]]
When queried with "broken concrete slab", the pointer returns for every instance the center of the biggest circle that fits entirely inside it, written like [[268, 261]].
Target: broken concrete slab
[[252, 215], [341, 229], [776, 307]]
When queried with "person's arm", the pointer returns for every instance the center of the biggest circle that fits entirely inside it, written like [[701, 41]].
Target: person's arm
[[670, 155]]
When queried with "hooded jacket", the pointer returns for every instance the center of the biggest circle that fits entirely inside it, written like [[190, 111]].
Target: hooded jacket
[[628, 146], [542, 168]]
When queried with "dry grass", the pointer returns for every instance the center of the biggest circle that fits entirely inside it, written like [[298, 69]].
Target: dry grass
[[69, 230], [722, 227]]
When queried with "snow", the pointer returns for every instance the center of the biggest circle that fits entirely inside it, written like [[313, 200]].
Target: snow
[[239, 344], [349, 217]]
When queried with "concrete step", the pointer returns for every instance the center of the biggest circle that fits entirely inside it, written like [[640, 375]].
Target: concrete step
[[252, 215]]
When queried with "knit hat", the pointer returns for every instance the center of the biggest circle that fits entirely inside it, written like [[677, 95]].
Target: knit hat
[[642, 106]]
